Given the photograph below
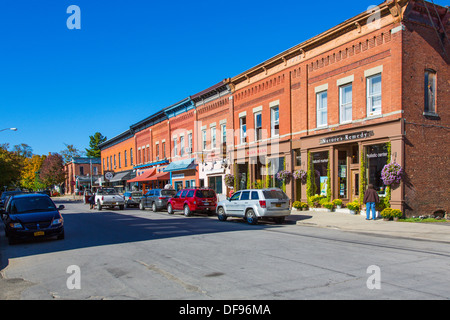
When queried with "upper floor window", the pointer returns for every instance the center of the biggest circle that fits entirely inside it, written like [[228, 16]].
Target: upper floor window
[[243, 129], [258, 126], [204, 139], [125, 158], [131, 156], [345, 103], [213, 137], [182, 150], [374, 95], [322, 113], [430, 92], [274, 121], [175, 151]]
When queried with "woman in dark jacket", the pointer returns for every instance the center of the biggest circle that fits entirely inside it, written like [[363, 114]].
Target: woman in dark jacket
[[370, 199]]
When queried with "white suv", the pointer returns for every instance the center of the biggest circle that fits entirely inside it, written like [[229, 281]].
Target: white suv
[[254, 204]]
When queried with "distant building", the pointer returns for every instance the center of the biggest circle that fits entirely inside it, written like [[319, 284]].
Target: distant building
[[82, 173]]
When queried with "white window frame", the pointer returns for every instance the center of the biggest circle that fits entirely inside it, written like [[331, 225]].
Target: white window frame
[[203, 139], [321, 109], [344, 106], [373, 95], [243, 129], [255, 116], [274, 110], [213, 137], [181, 146], [175, 151]]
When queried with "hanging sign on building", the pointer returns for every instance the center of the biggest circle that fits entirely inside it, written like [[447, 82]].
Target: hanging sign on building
[[347, 137]]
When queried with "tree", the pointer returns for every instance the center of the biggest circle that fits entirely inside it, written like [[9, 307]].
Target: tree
[[10, 166], [95, 140], [23, 150], [70, 152], [52, 170], [30, 173]]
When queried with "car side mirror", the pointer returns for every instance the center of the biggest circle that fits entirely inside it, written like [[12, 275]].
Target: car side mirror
[[61, 207]]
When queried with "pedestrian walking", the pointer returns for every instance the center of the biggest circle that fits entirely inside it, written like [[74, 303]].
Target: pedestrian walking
[[92, 201], [370, 199]]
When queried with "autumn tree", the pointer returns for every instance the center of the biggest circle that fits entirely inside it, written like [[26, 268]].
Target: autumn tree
[[95, 140], [10, 167], [52, 170], [71, 152], [30, 173]]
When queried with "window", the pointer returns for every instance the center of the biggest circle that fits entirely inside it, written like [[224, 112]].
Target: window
[[120, 165], [81, 171], [131, 156], [204, 139], [213, 137], [274, 121], [164, 149], [430, 92], [255, 195], [157, 151], [115, 161], [224, 139], [322, 101], [258, 126], [243, 129], [374, 95], [245, 195], [182, 145], [190, 142], [175, 151], [345, 103], [125, 158]]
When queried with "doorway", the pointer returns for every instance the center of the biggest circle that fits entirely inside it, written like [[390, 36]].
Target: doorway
[[354, 182]]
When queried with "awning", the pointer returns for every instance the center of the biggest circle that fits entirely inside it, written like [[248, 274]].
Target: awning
[[120, 176], [161, 176], [144, 177], [186, 164]]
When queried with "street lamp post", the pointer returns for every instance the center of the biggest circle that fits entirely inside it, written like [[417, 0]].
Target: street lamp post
[[12, 129]]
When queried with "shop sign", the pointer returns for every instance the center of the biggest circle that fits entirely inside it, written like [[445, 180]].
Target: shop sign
[[347, 137], [256, 152]]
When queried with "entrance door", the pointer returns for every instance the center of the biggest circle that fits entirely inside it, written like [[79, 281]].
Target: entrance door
[[354, 181]]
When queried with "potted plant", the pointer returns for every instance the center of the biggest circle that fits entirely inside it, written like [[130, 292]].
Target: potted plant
[[300, 174], [328, 205], [304, 206], [229, 180], [353, 207], [284, 175], [297, 205], [337, 203], [396, 214], [386, 213], [392, 173]]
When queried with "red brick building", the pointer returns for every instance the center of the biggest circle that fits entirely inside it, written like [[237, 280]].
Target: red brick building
[[370, 91]]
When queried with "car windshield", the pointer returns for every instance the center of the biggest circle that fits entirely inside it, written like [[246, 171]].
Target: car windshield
[[107, 191], [168, 192], [31, 204], [275, 194], [206, 194]]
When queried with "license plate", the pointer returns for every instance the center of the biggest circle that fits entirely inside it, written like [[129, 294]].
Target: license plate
[[278, 205], [206, 203], [39, 233]]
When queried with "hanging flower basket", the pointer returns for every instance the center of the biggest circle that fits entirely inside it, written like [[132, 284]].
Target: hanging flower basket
[[284, 175], [300, 175], [392, 173], [229, 180]]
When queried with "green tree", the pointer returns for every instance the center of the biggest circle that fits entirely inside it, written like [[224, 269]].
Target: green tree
[[70, 152], [95, 140], [11, 165], [30, 173]]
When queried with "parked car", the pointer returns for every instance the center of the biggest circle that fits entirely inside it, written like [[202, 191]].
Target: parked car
[[108, 197], [156, 199], [132, 198], [255, 204], [32, 216], [6, 194], [193, 200]]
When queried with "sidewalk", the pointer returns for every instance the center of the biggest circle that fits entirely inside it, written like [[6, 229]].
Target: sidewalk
[[438, 231]]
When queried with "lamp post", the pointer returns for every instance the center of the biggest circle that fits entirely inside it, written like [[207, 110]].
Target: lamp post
[[12, 129]]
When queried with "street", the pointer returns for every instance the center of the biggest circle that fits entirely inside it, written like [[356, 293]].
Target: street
[[133, 254]]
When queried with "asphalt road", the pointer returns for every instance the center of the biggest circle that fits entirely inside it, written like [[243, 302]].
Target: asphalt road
[[133, 254]]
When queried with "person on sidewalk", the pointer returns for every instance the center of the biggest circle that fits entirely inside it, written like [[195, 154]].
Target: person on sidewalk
[[370, 199]]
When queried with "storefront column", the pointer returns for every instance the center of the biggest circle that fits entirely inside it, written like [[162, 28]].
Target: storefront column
[[397, 155], [304, 166], [289, 185]]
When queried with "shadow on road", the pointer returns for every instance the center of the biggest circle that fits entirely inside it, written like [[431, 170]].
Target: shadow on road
[[91, 228]]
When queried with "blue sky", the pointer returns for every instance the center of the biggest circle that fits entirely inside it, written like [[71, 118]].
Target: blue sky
[[132, 58]]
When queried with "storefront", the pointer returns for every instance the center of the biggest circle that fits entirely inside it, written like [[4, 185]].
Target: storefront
[[183, 173], [346, 161]]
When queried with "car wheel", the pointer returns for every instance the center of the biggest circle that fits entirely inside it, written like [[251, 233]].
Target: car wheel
[[141, 206], [251, 217], [169, 209], [221, 214], [99, 206], [187, 211], [154, 209], [279, 220]]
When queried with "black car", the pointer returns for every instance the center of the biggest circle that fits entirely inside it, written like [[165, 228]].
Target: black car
[[132, 198], [32, 216]]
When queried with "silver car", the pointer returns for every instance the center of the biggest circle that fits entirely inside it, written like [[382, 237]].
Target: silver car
[[255, 204], [156, 199]]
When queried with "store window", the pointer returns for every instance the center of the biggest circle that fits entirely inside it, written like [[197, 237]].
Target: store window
[[342, 174], [215, 183], [320, 163], [377, 157]]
